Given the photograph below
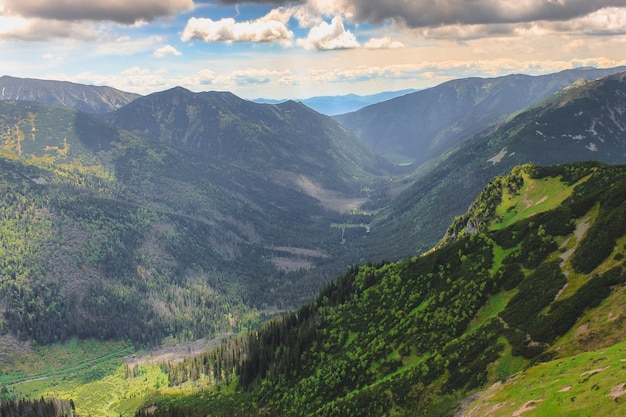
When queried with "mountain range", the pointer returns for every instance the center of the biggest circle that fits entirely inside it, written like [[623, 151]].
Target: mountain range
[[582, 122], [185, 215], [419, 126], [87, 98], [205, 213], [335, 105]]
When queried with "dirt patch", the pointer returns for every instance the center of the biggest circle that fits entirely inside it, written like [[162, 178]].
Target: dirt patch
[[595, 371], [174, 352], [618, 391], [497, 158], [10, 346], [290, 264], [526, 201], [330, 199], [565, 389], [291, 258], [312, 253], [530, 405]]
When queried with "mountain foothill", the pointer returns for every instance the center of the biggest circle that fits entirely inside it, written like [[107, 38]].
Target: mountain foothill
[[396, 259]]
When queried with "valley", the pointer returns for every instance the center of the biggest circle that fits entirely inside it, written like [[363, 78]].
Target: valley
[[192, 254]]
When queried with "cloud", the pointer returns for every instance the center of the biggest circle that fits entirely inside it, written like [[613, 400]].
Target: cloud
[[424, 13], [124, 45], [329, 36], [120, 11], [145, 81], [385, 42], [608, 21], [269, 28], [35, 30], [440, 71], [167, 50], [253, 76]]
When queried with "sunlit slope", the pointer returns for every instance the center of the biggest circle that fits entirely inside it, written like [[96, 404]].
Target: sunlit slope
[[418, 336], [583, 123]]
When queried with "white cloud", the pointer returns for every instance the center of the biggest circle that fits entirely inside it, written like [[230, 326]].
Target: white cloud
[[329, 36], [134, 79], [269, 28], [125, 45], [37, 30], [167, 50], [203, 77], [385, 42], [607, 21], [256, 76], [440, 71]]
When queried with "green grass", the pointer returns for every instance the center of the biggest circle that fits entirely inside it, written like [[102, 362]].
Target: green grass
[[494, 305], [498, 256], [582, 385], [91, 373], [596, 328], [507, 364], [536, 196], [351, 338]]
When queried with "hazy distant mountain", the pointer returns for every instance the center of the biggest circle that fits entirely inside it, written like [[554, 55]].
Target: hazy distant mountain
[[87, 98], [418, 126], [584, 122], [334, 105]]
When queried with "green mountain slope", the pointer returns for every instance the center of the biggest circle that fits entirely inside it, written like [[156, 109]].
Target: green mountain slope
[[132, 238], [582, 123], [417, 337]]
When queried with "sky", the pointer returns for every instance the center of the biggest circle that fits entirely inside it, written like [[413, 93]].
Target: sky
[[300, 49]]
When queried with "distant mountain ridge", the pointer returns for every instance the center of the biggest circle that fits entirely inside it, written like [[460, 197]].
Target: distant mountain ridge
[[419, 126], [268, 138], [87, 98], [335, 105]]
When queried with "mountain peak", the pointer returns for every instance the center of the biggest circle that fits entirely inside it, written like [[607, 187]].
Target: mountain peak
[[86, 98]]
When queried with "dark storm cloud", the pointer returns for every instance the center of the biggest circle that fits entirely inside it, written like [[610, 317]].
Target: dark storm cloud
[[424, 13], [120, 11]]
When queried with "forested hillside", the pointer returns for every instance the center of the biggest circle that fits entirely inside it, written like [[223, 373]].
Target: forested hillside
[[110, 235], [583, 122], [186, 216], [416, 337]]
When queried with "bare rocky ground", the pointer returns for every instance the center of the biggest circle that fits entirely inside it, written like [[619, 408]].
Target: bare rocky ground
[[172, 351], [10, 346]]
